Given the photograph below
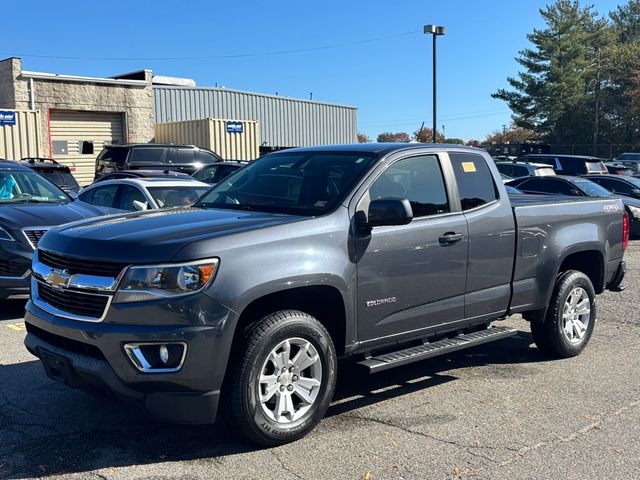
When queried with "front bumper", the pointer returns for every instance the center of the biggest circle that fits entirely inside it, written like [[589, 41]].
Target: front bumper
[[92, 356]]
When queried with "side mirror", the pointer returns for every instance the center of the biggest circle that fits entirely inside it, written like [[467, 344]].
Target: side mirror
[[389, 211], [139, 206]]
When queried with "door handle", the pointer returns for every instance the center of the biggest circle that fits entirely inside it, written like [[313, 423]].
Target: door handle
[[450, 238]]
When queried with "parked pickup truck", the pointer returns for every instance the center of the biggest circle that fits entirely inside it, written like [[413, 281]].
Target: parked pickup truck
[[389, 253]]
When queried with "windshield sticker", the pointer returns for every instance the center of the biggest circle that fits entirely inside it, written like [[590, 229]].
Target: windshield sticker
[[469, 167]]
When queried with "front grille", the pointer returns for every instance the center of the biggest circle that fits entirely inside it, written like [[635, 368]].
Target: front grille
[[65, 343], [80, 265], [76, 303], [34, 235], [13, 268]]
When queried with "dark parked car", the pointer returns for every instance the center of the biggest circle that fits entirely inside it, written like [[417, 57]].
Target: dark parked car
[[213, 174], [581, 187], [619, 169], [630, 160], [389, 253], [142, 174], [153, 156], [29, 205], [524, 169], [567, 164], [624, 185], [56, 172]]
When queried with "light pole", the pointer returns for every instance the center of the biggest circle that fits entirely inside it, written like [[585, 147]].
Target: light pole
[[435, 30]]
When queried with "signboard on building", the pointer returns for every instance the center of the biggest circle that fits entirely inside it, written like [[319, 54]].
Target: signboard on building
[[7, 118], [235, 127]]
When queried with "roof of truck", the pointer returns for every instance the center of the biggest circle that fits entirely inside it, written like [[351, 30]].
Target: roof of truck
[[380, 148]]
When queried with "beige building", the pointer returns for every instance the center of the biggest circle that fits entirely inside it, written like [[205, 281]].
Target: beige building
[[79, 115]]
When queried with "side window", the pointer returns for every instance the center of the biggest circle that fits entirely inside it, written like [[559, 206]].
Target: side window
[[104, 196], [206, 157], [223, 172], [128, 195], [87, 197], [419, 180], [206, 174], [475, 182], [506, 169], [573, 166], [550, 186], [186, 155], [146, 155], [520, 171]]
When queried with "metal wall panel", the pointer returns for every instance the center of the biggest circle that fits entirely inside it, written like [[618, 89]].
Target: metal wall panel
[[212, 134], [284, 122], [22, 139]]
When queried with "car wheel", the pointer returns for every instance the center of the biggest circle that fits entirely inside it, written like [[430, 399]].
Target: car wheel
[[281, 379], [570, 319]]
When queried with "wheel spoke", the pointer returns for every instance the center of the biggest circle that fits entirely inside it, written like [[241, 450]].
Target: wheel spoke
[[303, 394], [583, 307], [304, 359], [308, 383], [579, 329], [285, 356], [271, 382]]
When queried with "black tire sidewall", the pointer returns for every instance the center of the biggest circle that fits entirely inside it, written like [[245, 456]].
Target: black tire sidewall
[[307, 328]]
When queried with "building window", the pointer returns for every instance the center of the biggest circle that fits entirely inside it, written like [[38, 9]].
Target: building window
[[85, 147]]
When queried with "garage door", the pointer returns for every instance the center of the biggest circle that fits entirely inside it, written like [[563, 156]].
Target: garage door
[[78, 137]]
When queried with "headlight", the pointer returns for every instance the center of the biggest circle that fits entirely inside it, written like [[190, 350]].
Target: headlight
[[635, 211], [4, 235], [151, 282]]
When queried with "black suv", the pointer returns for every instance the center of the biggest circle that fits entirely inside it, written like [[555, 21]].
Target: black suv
[[153, 156], [568, 164], [56, 172]]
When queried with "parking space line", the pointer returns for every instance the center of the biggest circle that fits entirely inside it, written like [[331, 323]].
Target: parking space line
[[18, 326]]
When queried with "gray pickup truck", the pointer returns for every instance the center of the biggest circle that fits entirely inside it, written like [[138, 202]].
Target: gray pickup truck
[[388, 253]]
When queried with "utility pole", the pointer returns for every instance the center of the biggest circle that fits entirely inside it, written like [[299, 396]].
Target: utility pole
[[435, 31]]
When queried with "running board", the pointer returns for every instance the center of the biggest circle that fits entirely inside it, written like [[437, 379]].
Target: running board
[[441, 347]]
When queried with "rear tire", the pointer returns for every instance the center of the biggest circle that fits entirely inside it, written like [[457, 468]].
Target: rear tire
[[570, 318], [281, 379]]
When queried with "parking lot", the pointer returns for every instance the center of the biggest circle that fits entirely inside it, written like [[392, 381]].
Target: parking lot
[[497, 411]]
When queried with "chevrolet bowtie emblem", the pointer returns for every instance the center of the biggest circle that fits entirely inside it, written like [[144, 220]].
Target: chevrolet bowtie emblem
[[58, 278]]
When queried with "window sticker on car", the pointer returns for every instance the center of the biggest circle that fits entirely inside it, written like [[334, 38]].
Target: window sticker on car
[[469, 167]]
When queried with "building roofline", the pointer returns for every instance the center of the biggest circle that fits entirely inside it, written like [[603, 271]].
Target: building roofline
[[245, 92], [81, 79]]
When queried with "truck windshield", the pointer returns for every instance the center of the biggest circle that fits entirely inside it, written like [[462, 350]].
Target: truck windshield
[[299, 183], [28, 187]]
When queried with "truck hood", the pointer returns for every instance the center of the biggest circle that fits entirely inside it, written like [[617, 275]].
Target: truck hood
[[19, 215], [152, 236]]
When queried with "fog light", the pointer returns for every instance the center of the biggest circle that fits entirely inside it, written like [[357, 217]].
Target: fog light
[[164, 354], [156, 357]]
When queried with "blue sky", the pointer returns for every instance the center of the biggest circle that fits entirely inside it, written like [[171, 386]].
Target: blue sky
[[389, 80]]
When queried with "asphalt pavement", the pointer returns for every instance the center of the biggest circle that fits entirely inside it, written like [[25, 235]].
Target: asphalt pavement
[[498, 411]]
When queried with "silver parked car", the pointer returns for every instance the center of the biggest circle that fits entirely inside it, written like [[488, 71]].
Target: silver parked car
[[524, 169]]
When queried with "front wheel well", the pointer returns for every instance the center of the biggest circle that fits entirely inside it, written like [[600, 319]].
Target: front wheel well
[[590, 263], [323, 302]]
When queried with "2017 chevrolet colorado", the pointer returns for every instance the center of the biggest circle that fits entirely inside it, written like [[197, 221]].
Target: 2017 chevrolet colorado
[[392, 253]]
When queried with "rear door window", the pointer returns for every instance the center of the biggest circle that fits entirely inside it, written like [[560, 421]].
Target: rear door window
[[475, 181], [147, 155], [573, 166], [186, 156], [206, 157]]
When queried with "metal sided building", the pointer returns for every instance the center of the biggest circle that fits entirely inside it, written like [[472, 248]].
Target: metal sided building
[[284, 122]]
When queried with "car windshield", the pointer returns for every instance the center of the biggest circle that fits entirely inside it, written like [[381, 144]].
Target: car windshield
[[168, 197], [629, 156], [28, 187], [60, 178], [298, 183], [592, 189]]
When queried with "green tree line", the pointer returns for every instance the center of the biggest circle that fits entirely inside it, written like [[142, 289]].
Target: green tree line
[[580, 78]]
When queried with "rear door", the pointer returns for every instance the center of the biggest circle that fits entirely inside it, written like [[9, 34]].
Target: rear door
[[491, 237], [410, 278]]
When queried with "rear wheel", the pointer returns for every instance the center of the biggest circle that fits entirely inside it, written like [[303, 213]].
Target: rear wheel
[[282, 378], [570, 319]]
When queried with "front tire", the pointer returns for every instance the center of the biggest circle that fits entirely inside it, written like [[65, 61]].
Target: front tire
[[281, 379], [570, 319]]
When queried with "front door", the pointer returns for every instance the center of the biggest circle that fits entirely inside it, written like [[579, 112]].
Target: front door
[[412, 277]]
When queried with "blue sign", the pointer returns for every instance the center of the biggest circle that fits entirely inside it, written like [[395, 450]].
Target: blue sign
[[7, 118], [235, 127]]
